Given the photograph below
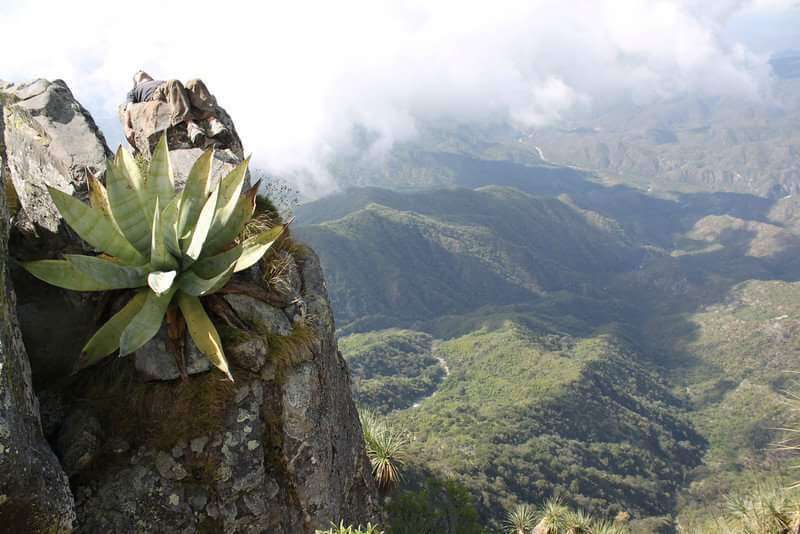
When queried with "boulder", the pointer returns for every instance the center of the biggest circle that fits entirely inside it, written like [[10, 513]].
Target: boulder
[[34, 491], [50, 140]]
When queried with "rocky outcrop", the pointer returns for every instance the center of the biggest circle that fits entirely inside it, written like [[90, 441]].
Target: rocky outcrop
[[51, 140], [282, 453], [279, 450], [151, 119], [34, 491]]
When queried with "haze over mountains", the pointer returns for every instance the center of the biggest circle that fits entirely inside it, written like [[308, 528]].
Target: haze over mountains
[[605, 311]]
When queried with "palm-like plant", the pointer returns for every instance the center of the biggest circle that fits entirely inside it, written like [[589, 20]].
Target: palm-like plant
[[765, 509], [605, 527], [553, 517], [164, 244], [386, 449], [578, 522], [342, 529], [521, 520]]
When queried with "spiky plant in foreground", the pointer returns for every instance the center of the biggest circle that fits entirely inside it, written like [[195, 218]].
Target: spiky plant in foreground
[[166, 245], [553, 517], [341, 529], [605, 527], [578, 522], [521, 520], [386, 449], [764, 509]]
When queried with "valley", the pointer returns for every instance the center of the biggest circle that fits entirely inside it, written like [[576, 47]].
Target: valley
[[627, 350]]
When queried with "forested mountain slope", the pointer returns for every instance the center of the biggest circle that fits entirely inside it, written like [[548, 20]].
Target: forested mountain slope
[[566, 334]]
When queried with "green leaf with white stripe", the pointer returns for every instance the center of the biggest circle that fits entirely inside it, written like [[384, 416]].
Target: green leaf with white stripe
[[160, 182], [203, 333], [62, 273], [195, 193], [126, 204], [146, 323], [212, 266], [106, 340], [229, 191], [160, 258], [254, 248], [111, 274], [94, 227], [169, 226], [193, 246], [245, 207], [191, 284], [98, 199]]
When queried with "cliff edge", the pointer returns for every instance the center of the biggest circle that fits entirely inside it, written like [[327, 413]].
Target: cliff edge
[[125, 447]]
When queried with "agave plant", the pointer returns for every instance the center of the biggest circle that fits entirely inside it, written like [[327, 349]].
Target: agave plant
[[165, 245], [521, 520]]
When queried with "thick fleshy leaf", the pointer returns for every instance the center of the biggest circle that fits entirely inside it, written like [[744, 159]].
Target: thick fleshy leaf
[[62, 273], [254, 248], [215, 265], [160, 181], [229, 191], [160, 282], [245, 207], [145, 324], [194, 244], [191, 284], [94, 227], [202, 330], [106, 340], [169, 226], [160, 258], [98, 199], [111, 274], [127, 163], [123, 186], [195, 193]]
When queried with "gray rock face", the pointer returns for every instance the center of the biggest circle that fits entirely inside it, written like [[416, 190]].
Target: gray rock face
[[260, 315], [34, 492], [280, 450], [286, 456], [155, 362], [51, 140]]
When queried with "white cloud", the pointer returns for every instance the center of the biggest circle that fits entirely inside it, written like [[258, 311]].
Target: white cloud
[[296, 76]]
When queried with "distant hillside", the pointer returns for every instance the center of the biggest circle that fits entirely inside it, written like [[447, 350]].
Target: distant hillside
[[691, 144], [524, 415], [460, 249], [624, 349], [734, 359], [391, 369]]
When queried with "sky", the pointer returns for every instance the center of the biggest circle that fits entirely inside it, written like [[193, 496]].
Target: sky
[[296, 76]]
